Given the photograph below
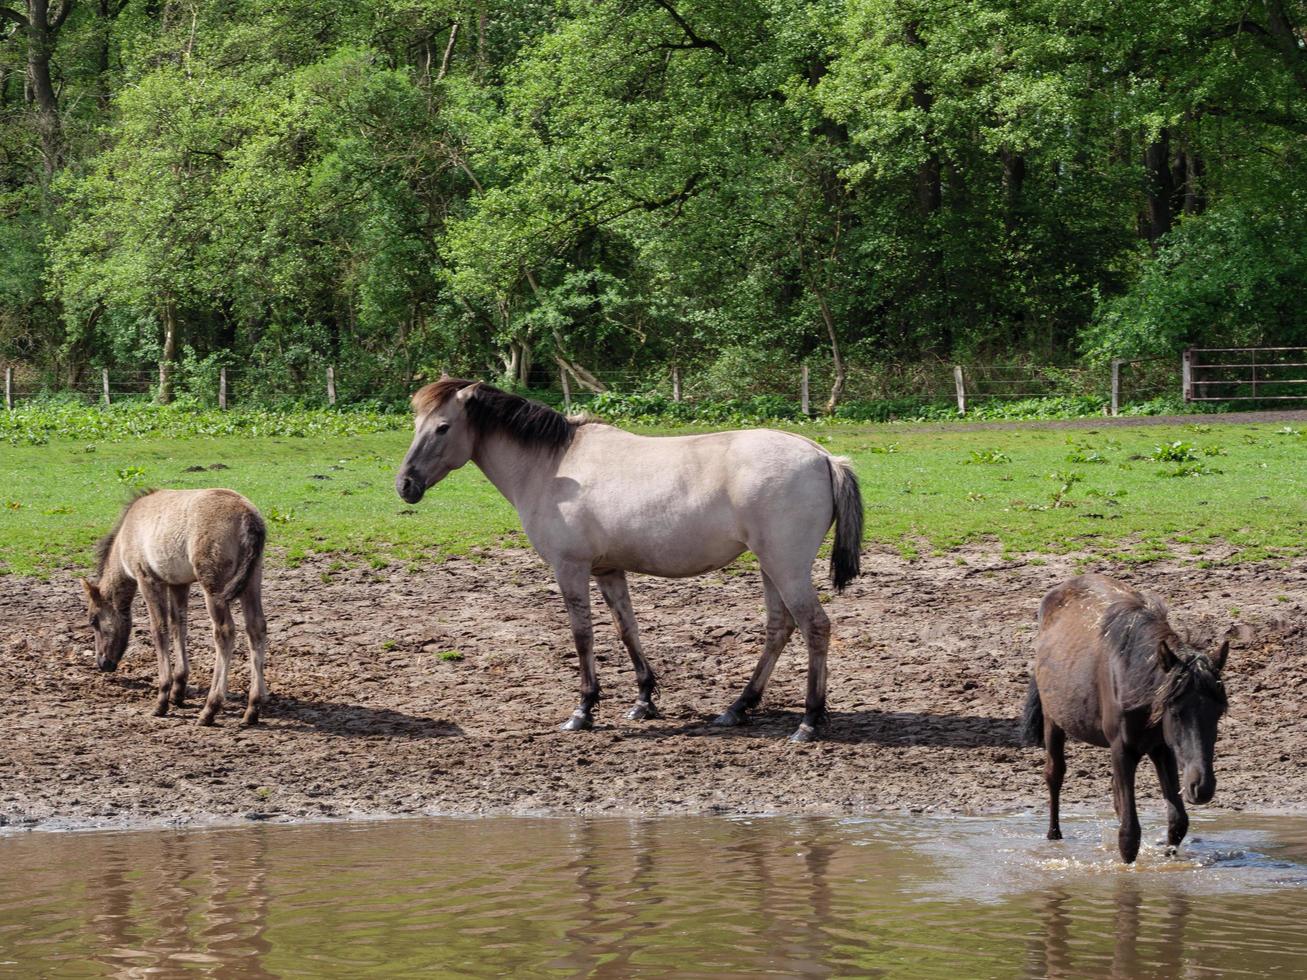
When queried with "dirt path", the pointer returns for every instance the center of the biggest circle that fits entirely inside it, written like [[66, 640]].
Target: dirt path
[[927, 674]]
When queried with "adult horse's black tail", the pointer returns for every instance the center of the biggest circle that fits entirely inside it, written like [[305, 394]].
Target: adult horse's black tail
[[846, 555], [1032, 720]]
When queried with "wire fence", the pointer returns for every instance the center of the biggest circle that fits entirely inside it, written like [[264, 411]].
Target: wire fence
[[1245, 374]]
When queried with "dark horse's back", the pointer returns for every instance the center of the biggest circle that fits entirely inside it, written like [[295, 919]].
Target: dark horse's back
[[1082, 623]]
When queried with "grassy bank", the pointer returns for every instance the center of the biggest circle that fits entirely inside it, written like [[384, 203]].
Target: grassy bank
[[1136, 493]]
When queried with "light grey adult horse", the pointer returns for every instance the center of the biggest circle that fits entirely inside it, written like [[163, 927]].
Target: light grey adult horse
[[598, 501]]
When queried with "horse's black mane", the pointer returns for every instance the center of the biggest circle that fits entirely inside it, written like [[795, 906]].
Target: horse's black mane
[[1136, 627], [105, 544], [490, 409]]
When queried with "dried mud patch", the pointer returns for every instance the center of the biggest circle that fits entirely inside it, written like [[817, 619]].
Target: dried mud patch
[[927, 676]]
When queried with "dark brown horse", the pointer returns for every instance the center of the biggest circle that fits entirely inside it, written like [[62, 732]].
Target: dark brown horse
[[1110, 671]]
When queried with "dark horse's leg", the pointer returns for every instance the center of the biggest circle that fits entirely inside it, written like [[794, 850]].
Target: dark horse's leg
[[613, 586], [1177, 821], [780, 626], [574, 582], [1054, 771], [1124, 764]]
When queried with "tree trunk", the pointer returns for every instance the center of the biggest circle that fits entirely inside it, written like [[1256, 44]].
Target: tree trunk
[[928, 174], [1160, 188], [41, 34], [837, 386], [524, 367], [169, 351]]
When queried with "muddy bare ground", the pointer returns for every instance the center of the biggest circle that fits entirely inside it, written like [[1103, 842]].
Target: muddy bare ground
[[927, 675]]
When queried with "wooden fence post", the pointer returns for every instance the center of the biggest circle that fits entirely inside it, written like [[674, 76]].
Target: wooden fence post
[[1116, 385], [1187, 374], [567, 388], [9, 389], [104, 378], [222, 389], [961, 389], [676, 383], [803, 390], [331, 385]]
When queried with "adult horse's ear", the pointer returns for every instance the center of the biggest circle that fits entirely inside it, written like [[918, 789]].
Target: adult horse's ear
[[1218, 661], [465, 394], [1165, 656], [92, 593]]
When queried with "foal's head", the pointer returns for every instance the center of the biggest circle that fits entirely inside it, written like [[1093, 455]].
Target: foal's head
[[1188, 704], [112, 626]]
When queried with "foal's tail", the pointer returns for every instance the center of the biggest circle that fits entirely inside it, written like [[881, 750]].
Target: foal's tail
[[1032, 720], [846, 555], [253, 533]]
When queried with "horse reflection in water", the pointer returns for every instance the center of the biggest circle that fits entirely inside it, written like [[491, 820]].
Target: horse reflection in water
[[1145, 939], [204, 904]]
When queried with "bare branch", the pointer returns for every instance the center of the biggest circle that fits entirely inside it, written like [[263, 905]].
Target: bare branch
[[13, 16], [693, 39]]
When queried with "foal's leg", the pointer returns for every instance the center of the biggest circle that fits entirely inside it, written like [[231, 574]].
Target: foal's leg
[[780, 627], [256, 638], [574, 583], [1177, 821], [157, 603], [613, 586], [801, 600], [179, 596], [1054, 771], [1124, 764], [224, 638]]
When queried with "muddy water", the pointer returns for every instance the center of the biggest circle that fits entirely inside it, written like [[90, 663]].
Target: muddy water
[[693, 896]]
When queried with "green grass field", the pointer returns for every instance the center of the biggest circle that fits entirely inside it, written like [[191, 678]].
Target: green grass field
[[1113, 492]]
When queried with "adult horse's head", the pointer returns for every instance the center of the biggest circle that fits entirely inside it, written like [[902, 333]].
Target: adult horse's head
[[443, 436], [1188, 704], [453, 416], [112, 626]]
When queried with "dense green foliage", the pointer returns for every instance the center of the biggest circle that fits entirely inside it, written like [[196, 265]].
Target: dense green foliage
[[405, 185], [1128, 492]]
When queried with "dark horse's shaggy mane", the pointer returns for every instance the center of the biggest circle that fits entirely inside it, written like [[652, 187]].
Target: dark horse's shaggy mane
[[1137, 627], [491, 410], [105, 544]]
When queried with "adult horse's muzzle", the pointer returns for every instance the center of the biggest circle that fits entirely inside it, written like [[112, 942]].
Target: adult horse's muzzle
[[409, 488], [106, 665], [1199, 787]]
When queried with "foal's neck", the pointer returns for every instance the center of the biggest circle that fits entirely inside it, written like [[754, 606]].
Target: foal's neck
[[115, 584]]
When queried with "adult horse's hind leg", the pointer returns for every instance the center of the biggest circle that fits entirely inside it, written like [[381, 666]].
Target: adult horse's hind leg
[[178, 599], [780, 627], [574, 583], [613, 586], [157, 605], [800, 598], [1054, 771], [1177, 820], [224, 638], [256, 639]]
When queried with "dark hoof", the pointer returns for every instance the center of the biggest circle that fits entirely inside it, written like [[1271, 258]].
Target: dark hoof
[[1055, 835], [207, 717], [161, 709], [730, 718], [179, 697], [249, 720], [643, 711], [806, 733], [577, 723]]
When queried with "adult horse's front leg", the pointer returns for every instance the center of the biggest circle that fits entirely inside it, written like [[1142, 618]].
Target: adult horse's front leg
[[1124, 764], [574, 583], [613, 586], [1177, 820], [780, 627]]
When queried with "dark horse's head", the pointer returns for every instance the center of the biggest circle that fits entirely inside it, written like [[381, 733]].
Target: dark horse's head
[[1188, 704], [451, 415]]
